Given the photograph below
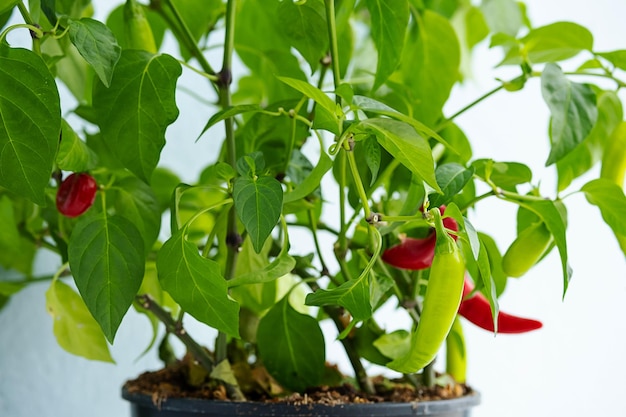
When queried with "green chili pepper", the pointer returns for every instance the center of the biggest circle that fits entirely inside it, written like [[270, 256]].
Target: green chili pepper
[[526, 250], [441, 303], [137, 28], [456, 357]]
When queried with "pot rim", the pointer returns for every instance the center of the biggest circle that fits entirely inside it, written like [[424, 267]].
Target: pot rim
[[262, 408]]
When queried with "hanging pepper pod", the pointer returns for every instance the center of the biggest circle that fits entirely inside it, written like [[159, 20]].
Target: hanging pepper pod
[[527, 249], [477, 310], [137, 28], [441, 303]]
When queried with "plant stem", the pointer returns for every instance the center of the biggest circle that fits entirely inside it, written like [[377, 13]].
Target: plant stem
[[180, 28], [35, 35], [332, 39], [174, 327], [233, 238], [488, 94]]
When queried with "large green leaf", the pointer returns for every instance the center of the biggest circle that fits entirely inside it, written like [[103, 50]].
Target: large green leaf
[[556, 42], [548, 211], [617, 58], [451, 178], [312, 181], [30, 123], [406, 145], [268, 55], [389, 23], [74, 154], [503, 16], [136, 202], [573, 109], [291, 346], [610, 199], [74, 327], [314, 93], [6, 5], [197, 284], [503, 174], [106, 256], [258, 202], [135, 110], [355, 295], [97, 44], [429, 66], [584, 156], [304, 24]]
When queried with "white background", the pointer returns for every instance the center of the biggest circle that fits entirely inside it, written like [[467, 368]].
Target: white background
[[574, 366]]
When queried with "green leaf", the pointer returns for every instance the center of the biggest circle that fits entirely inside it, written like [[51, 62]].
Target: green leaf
[[389, 23], [259, 203], [556, 42], [282, 265], [429, 67], [75, 329], [503, 16], [548, 211], [354, 295], [197, 284], [229, 112], [30, 123], [135, 110], [269, 55], [304, 25], [106, 256], [6, 5], [313, 93], [573, 109], [97, 44], [312, 181], [584, 156], [505, 175], [406, 145], [74, 154], [372, 157], [610, 199], [370, 105], [291, 346], [495, 262], [451, 178], [136, 201], [617, 58], [394, 345]]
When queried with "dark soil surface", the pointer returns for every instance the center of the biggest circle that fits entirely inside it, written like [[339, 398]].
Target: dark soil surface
[[172, 382]]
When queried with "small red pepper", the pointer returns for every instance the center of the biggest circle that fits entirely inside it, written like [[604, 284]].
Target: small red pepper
[[477, 310], [76, 194], [416, 254]]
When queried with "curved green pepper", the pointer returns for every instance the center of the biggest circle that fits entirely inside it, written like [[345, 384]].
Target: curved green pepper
[[441, 303], [137, 28], [526, 250]]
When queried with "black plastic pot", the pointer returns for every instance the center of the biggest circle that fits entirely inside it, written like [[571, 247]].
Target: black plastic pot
[[142, 406]]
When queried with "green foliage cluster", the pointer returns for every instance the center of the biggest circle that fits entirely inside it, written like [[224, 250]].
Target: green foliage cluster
[[364, 83]]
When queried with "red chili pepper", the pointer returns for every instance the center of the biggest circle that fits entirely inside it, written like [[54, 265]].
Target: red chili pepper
[[411, 253], [76, 194], [476, 309], [416, 254]]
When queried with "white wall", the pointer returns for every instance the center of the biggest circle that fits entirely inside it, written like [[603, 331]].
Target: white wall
[[574, 366]]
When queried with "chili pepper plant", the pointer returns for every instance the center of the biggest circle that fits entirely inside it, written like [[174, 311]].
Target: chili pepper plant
[[324, 120]]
